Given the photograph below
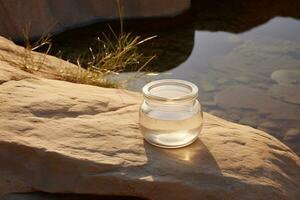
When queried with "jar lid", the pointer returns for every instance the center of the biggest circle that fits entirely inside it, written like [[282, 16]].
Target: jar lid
[[170, 90]]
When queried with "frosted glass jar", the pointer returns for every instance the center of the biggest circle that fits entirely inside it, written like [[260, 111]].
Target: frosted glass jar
[[170, 115]]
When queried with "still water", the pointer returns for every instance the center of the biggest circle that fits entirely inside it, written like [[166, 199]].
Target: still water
[[252, 78], [246, 73]]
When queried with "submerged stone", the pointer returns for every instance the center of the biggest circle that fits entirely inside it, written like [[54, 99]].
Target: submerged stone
[[287, 93], [286, 77]]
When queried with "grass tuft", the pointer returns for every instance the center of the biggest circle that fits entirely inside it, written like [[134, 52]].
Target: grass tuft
[[83, 76], [111, 55], [25, 59]]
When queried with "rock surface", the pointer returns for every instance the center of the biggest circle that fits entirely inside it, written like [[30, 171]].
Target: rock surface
[[54, 15], [61, 137]]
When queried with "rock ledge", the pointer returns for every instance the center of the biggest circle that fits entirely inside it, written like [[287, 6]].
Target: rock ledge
[[60, 137]]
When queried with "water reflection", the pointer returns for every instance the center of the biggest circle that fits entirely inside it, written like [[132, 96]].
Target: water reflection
[[252, 78], [247, 70]]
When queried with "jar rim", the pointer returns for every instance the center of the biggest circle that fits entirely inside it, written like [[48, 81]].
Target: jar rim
[[191, 93]]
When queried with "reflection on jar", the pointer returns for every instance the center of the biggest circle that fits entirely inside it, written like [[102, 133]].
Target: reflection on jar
[[170, 115]]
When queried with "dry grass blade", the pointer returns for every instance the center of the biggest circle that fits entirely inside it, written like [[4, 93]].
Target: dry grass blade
[[25, 59], [114, 54], [111, 56]]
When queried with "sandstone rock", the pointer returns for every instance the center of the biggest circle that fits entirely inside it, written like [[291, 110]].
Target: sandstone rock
[[288, 93], [13, 58], [61, 137], [286, 77], [55, 15], [58, 136]]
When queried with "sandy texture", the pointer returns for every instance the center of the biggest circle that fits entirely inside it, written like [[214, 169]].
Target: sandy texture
[[62, 137]]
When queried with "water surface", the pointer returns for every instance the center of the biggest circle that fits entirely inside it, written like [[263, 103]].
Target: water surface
[[244, 57]]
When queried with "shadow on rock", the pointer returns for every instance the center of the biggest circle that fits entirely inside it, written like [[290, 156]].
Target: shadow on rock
[[182, 163]]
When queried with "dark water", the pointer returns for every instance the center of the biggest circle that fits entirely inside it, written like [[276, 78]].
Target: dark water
[[244, 57]]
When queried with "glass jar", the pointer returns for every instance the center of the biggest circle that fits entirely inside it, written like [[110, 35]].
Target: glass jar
[[170, 115]]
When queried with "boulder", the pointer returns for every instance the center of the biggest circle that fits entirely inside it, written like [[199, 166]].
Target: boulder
[[47, 16], [61, 137], [17, 63]]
